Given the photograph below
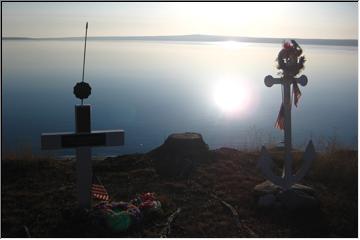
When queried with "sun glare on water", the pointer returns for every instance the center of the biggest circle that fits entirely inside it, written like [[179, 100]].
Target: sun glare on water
[[231, 96]]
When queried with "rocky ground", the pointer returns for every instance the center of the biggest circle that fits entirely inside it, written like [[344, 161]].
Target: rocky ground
[[38, 198]]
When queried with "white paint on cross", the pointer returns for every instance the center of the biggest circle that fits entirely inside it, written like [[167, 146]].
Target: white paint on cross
[[288, 179], [83, 139]]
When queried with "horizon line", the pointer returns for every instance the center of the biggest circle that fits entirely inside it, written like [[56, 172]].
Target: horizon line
[[180, 35]]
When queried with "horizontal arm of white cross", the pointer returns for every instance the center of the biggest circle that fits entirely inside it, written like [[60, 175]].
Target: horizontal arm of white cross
[[269, 80]]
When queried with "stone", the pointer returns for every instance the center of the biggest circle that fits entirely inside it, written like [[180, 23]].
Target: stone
[[180, 154], [266, 187], [303, 188], [298, 197]]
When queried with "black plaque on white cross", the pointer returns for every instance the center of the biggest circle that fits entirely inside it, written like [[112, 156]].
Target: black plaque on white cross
[[83, 139]]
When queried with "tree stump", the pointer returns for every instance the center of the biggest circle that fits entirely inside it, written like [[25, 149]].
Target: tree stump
[[180, 154]]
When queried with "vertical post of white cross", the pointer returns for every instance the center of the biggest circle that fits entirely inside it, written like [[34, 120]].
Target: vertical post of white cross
[[83, 156]]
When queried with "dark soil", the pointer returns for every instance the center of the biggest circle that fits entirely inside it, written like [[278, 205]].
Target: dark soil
[[40, 194]]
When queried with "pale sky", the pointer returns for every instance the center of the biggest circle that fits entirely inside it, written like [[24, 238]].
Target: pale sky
[[273, 19]]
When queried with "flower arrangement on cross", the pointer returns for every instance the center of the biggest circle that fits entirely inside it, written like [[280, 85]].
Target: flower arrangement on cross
[[289, 59]]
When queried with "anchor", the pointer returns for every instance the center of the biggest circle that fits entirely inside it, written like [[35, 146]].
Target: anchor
[[290, 62]]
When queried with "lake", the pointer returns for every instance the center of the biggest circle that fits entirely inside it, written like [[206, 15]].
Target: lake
[[152, 89]]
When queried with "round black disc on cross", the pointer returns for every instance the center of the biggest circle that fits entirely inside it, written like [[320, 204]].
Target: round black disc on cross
[[82, 90]]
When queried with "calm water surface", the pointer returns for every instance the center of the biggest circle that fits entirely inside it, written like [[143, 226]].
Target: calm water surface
[[153, 89]]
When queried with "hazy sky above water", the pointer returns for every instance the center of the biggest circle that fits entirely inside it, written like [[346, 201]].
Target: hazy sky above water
[[275, 19]]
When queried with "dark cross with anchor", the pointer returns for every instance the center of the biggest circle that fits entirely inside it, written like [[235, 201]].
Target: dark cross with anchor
[[290, 63], [83, 139]]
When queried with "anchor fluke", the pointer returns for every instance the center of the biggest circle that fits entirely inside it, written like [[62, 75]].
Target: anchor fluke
[[265, 165], [308, 158]]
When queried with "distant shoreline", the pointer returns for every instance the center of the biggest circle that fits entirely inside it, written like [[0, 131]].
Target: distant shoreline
[[199, 38]]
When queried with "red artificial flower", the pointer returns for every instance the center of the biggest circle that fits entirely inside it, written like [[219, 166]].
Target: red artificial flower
[[287, 44]]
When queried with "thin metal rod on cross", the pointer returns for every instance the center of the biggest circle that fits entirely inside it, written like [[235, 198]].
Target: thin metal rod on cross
[[83, 72]]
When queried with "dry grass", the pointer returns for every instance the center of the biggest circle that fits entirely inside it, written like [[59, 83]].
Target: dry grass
[[40, 194]]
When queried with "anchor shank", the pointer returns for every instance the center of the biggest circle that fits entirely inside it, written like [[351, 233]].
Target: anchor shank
[[287, 171]]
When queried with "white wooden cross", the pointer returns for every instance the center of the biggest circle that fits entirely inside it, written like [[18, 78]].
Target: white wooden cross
[[83, 139], [265, 163]]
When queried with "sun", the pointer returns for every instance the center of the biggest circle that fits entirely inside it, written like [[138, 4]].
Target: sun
[[231, 95]]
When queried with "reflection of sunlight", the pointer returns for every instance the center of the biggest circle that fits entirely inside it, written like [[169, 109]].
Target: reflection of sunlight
[[231, 96], [232, 45]]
